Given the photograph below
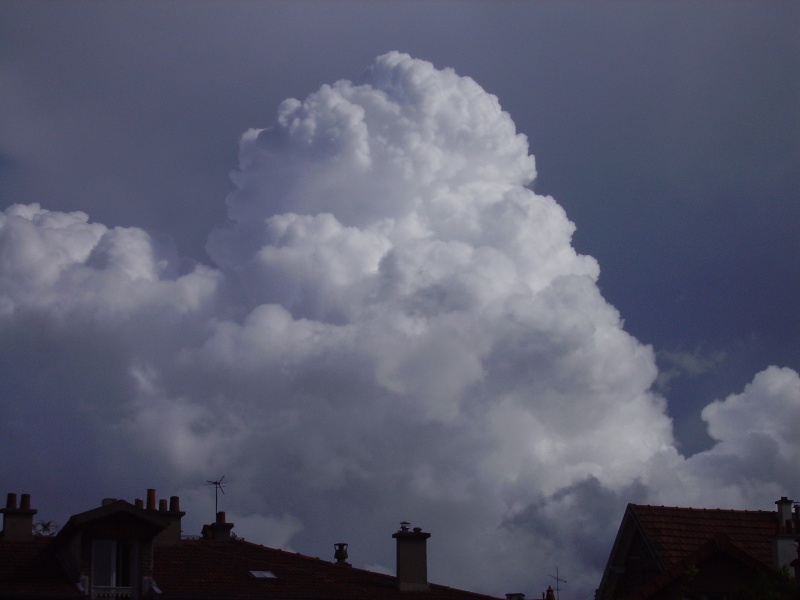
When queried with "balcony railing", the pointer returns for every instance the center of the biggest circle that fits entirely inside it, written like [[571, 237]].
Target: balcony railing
[[114, 593]]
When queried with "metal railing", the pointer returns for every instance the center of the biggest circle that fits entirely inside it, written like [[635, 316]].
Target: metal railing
[[114, 593]]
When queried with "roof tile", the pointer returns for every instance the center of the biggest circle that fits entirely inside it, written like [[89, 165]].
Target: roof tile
[[675, 532], [216, 569]]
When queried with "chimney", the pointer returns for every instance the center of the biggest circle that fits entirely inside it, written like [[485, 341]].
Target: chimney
[[549, 595], [151, 499], [18, 522], [341, 554], [783, 544], [796, 562], [412, 559], [218, 531], [784, 515], [172, 533]]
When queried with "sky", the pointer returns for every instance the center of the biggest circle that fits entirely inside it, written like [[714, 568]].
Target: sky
[[493, 268]]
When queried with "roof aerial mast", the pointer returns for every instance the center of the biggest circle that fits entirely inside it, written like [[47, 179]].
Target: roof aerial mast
[[559, 581], [217, 489]]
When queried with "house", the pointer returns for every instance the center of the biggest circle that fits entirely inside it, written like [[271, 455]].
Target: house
[[663, 552], [120, 550]]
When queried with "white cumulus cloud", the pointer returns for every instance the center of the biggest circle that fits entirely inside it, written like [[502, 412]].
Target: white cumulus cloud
[[395, 327]]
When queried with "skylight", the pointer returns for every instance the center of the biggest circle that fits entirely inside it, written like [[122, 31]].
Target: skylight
[[263, 574]]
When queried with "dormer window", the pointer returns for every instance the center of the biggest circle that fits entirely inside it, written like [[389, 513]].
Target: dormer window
[[115, 569]]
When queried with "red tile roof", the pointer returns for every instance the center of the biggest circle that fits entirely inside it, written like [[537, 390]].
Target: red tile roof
[[221, 569], [676, 532], [215, 569], [30, 567], [718, 544]]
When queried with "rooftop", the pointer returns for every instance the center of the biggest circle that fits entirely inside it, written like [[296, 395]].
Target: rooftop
[[85, 556], [676, 532], [224, 568]]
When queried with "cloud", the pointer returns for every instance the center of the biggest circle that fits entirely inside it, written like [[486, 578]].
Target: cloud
[[692, 364], [757, 431], [395, 327]]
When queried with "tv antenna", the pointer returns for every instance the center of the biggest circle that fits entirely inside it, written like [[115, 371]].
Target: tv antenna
[[218, 487], [559, 581]]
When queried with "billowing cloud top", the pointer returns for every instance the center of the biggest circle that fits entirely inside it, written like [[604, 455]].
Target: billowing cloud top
[[395, 327]]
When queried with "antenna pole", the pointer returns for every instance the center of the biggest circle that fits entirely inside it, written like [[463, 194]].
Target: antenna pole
[[558, 582], [218, 487]]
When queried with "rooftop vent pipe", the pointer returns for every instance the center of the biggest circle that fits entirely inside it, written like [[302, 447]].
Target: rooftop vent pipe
[[341, 554]]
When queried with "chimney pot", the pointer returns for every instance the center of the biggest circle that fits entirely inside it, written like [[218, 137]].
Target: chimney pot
[[139, 503], [11, 501], [162, 505], [221, 517], [25, 502], [151, 499], [174, 504], [341, 554]]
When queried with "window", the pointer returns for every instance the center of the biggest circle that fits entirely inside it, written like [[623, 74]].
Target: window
[[263, 574], [114, 564]]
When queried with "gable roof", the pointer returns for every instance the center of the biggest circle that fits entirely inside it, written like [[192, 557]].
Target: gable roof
[[150, 521], [656, 544], [111, 507], [719, 544], [222, 569], [673, 532]]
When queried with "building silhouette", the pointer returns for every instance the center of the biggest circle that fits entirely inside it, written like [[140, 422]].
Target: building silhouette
[[120, 550]]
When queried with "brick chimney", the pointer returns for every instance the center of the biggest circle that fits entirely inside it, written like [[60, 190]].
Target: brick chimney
[[18, 522], [784, 549], [218, 531], [172, 510], [412, 559], [172, 534], [151, 499]]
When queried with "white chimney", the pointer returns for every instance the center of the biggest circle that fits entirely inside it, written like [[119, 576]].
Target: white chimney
[[784, 544], [18, 522], [412, 559]]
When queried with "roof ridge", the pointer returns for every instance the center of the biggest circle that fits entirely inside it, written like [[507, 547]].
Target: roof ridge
[[717, 509]]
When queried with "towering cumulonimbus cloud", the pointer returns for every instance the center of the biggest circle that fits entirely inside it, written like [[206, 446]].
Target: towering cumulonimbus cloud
[[396, 327]]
